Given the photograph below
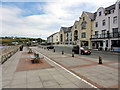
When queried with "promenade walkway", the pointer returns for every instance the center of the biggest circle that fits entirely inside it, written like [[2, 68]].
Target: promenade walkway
[[19, 72], [100, 75]]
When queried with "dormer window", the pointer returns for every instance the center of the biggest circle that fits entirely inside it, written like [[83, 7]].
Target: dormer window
[[100, 13], [106, 12], [111, 11]]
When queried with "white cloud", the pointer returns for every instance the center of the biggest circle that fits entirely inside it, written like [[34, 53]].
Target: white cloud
[[13, 24], [57, 14]]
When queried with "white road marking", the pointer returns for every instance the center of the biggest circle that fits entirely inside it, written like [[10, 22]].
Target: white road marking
[[68, 70]]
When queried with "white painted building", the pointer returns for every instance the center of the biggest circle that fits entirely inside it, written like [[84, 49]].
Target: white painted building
[[56, 38], [50, 39], [68, 35], [107, 27]]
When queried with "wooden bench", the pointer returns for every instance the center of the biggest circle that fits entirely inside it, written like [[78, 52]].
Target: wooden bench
[[30, 50]]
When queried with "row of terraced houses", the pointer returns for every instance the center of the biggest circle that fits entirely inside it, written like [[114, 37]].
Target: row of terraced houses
[[99, 30]]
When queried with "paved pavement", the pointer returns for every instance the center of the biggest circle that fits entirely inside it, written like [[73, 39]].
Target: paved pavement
[[0, 76], [95, 54], [102, 76], [39, 77]]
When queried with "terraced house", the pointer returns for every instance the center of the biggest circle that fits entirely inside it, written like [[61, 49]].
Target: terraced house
[[62, 35], [107, 28], [65, 35], [99, 30], [68, 35], [56, 38], [75, 33], [85, 26], [50, 39]]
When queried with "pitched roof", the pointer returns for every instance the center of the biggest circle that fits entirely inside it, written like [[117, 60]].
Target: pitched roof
[[90, 15], [52, 35], [66, 29], [110, 7], [75, 22]]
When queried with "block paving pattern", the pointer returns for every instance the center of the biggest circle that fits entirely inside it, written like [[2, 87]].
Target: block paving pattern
[[101, 75], [39, 77]]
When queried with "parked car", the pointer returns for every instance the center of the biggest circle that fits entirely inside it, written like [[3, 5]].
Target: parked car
[[50, 47], [75, 49], [82, 50], [85, 51]]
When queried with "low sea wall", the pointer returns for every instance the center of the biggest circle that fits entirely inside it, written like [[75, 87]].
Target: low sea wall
[[7, 52]]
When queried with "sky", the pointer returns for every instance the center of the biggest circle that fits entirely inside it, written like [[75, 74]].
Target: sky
[[41, 18]]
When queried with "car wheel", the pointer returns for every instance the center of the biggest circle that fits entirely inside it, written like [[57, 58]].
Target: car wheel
[[89, 53]]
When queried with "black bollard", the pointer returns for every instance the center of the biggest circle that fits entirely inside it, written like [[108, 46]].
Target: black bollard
[[62, 52], [53, 50], [72, 54], [48, 49], [100, 60]]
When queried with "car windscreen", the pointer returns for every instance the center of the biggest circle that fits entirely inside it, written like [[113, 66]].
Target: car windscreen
[[85, 48]]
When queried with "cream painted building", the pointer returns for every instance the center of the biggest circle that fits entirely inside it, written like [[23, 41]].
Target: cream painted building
[[56, 38], [65, 35], [68, 35], [75, 33], [85, 27], [62, 35]]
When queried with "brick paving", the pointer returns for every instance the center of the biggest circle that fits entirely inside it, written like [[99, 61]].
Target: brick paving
[[103, 76], [26, 64], [47, 77]]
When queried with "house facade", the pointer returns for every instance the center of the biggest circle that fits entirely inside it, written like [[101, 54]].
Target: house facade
[[50, 39], [75, 33], [56, 38], [65, 35], [85, 27], [68, 35], [62, 35], [99, 30], [107, 27]]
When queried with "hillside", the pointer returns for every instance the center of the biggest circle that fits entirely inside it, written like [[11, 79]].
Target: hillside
[[20, 40]]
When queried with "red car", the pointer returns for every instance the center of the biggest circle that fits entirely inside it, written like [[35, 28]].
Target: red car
[[87, 52]]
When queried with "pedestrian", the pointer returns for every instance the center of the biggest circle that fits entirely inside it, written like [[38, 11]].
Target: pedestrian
[[21, 48]]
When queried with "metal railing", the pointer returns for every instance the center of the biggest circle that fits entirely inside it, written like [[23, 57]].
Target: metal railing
[[106, 35]]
